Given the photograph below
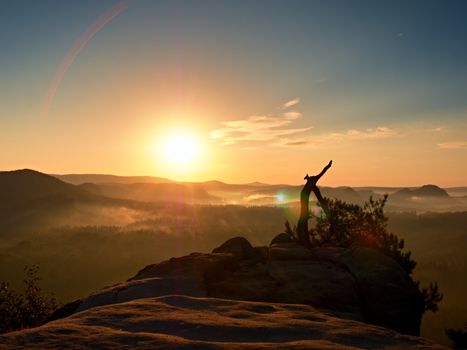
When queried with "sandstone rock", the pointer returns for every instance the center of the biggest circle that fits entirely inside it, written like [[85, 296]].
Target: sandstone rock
[[186, 323], [145, 288], [210, 266], [281, 238], [182, 276], [65, 310], [323, 284], [318, 283], [237, 246], [249, 283], [388, 295], [358, 282], [262, 253], [289, 251]]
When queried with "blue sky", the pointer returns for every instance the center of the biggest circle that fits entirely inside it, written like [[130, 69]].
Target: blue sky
[[356, 67]]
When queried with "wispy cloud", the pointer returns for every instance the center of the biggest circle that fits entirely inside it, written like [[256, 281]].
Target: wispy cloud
[[292, 115], [291, 103], [255, 128], [278, 130], [438, 129], [453, 145], [259, 128], [376, 133], [333, 138]]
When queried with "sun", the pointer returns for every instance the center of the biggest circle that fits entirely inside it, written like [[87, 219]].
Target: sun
[[181, 148]]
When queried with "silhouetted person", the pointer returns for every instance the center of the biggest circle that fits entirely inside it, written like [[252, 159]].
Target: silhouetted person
[[302, 226]]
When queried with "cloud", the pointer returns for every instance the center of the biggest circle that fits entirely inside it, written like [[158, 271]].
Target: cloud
[[453, 145], [297, 143], [292, 115], [259, 128], [255, 128], [439, 129], [291, 103], [376, 133], [335, 137], [277, 130]]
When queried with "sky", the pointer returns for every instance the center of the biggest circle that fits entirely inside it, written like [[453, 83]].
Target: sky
[[237, 91]]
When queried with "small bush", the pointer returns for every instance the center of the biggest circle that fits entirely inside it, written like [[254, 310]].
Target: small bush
[[366, 225], [28, 309], [291, 232], [432, 297], [458, 337]]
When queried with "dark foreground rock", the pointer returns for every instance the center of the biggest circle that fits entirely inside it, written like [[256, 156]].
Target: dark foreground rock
[[182, 322], [356, 283], [361, 282]]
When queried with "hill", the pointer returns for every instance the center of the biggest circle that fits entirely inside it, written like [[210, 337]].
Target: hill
[[30, 200], [136, 188], [25, 186], [424, 198], [78, 179], [424, 191]]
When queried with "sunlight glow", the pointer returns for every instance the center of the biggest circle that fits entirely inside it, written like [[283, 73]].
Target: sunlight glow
[[179, 152], [181, 148]]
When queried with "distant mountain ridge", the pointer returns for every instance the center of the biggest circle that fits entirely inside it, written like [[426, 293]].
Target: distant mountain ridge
[[26, 185], [424, 191], [31, 199], [78, 179]]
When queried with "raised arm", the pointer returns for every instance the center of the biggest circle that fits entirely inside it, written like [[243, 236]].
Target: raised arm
[[314, 179], [324, 170]]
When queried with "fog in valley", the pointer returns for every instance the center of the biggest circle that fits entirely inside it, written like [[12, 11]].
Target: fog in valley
[[85, 236]]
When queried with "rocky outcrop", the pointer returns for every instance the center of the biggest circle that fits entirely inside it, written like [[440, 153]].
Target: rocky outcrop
[[281, 238], [239, 247], [187, 275], [183, 322], [357, 283]]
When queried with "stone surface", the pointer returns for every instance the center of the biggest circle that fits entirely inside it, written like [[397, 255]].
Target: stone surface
[[281, 238], [289, 251], [211, 266], [182, 322], [239, 247], [185, 276], [387, 294], [305, 282], [357, 283]]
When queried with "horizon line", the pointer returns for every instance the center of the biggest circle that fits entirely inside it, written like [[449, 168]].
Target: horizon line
[[235, 183]]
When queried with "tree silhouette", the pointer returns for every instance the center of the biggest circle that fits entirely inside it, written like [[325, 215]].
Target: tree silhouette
[[458, 337], [310, 186], [28, 309]]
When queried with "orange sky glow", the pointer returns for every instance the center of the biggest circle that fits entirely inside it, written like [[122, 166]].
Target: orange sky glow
[[135, 89]]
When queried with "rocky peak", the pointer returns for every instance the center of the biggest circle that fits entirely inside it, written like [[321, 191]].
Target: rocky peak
[[244, 297], [358, 282]]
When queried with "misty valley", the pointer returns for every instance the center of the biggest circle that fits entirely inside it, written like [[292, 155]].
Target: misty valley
[[90, 231]]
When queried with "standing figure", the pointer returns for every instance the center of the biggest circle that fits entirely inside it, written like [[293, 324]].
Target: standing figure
[[302, 226]]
